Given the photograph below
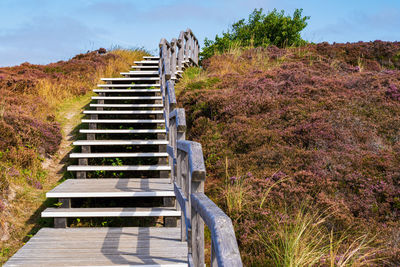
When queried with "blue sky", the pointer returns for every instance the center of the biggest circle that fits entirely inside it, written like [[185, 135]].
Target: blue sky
[[43, 31]]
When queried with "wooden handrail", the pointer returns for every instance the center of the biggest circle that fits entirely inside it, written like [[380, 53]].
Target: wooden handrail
[[187, 164], [224, 248]]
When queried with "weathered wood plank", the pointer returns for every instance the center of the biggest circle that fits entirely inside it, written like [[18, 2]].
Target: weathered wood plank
[[118, 142], [222, 232], [128, 85], [112, 188], [180, 119], [196, 160], [119, 155], [109, 212], [183, 202], [119, 168], [119, 261], [171, 95], [128, 246]]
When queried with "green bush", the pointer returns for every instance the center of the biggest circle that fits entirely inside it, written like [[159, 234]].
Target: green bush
[[273, 28]]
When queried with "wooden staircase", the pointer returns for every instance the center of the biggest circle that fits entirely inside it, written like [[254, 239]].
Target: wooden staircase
[[129, 166]]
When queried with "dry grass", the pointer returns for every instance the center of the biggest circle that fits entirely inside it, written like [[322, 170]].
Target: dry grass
[[298, 236], [56, 91], [302, 238], [234, 192], [362, 251]]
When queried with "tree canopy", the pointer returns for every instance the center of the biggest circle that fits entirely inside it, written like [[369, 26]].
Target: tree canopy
[[273, 28]]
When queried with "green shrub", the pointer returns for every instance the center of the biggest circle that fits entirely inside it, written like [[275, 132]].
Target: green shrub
[[273, 28]]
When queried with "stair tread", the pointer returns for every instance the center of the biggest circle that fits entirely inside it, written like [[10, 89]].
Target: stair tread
[[127, 105], [112, 188], [147, 62], [119, 168], [129, 85], [120, 142], [123, 121], [140, 72], [132, 79], [123, 112], [144, 67], [122, 131], [151, 57], [119, 155], [126, 97], [109, 212], [126, 90]]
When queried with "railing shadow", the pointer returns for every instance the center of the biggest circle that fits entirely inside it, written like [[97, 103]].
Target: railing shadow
[[142, 242]]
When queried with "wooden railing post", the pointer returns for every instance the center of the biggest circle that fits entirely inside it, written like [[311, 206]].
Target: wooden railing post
[[161, 66], [170, 100], [191, 46], [197, 227], [187, 46], [173, 58], [214, 262], [177, 129], [197, 179], [196, 53], [181, 46], [172, 135], [183, 175]]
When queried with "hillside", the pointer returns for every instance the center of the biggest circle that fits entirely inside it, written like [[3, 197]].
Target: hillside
[[39, 107], [303, 135]]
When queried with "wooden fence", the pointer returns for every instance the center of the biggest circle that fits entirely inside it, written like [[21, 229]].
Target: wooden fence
[[187, 162]]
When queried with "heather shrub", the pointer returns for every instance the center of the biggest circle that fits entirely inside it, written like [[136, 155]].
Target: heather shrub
[[371, 55], [273, 28], [313, 125]]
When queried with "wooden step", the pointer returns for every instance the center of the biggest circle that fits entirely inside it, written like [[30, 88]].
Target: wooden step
[[131, 79], [128, 85], [121, 112], [119, 155], [140, 72], [126, 105], [123, 121], [145, 67], [109, 212], [126, 97], [90, 168], [122, 131], [151, 57], [105, 246], [147, 62], [84, 188], [119, 142], [126, 90]]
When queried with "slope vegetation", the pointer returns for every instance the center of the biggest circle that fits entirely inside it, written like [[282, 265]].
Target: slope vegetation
[[37, 107], [304, 146]]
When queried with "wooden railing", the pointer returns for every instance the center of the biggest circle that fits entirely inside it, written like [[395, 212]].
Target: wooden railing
[[187, 164]]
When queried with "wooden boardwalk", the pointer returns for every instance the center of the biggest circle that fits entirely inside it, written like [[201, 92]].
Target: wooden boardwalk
[[135, 149], [127, 246]]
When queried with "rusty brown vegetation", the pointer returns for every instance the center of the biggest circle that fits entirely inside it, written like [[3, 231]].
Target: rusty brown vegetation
[[303, 136]]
